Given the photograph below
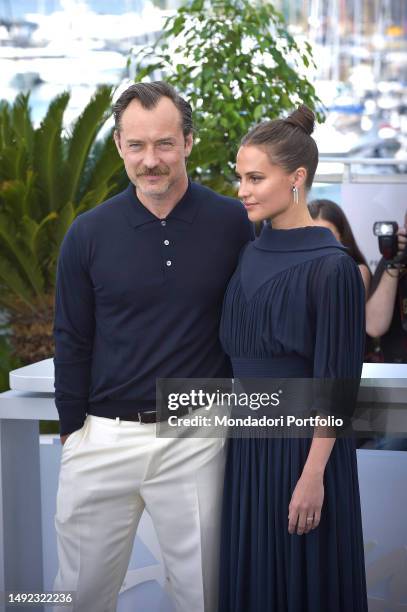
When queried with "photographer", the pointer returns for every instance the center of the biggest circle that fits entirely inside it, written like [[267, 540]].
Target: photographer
[[385, 310]]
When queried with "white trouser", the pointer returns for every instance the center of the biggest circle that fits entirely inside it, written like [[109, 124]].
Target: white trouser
[[110, 472]]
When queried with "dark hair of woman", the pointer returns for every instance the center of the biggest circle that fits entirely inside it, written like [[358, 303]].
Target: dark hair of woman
[[288, 142], [331, 212]]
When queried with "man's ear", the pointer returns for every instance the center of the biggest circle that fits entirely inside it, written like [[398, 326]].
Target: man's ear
[[189, 141], [116, 138]]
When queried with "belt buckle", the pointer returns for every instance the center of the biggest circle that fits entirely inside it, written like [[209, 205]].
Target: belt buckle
[[147, 412]]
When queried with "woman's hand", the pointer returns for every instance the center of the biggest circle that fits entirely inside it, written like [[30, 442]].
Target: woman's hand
[[304, 511]]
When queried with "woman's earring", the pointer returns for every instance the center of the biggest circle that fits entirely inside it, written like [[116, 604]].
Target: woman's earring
[[295, 194]]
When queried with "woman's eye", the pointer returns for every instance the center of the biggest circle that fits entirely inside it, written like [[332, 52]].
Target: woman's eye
[[255, 179]]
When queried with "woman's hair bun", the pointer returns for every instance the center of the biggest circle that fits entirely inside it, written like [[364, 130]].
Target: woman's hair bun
[[303, 118]]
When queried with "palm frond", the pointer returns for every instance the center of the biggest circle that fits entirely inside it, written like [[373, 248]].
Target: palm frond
[[12, 197], [6, 131], [48, 156], [64, 219], [83, 136], [107, 167], [21, 256], [10, 279], [13, 162], [95, 197], [21, 121]]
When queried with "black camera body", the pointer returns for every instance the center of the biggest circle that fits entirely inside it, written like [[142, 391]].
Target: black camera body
[[386, 231]]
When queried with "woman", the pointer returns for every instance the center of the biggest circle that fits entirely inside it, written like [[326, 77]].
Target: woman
[[328, 214], [291, 532]]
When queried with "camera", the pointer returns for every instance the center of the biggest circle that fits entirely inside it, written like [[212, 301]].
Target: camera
[[386, 231]]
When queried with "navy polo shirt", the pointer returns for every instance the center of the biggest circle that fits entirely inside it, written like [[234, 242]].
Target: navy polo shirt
[[140, 298]]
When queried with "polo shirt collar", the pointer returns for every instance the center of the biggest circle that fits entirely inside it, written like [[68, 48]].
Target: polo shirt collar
[[137, 214]]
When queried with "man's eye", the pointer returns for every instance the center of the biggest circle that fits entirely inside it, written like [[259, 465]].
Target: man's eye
[[165, 146], [135, 146]]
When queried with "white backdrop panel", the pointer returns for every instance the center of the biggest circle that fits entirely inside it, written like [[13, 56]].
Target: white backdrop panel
[[364, 204]]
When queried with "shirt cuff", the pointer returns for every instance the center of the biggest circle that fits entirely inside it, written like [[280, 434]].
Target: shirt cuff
[[72, 415]]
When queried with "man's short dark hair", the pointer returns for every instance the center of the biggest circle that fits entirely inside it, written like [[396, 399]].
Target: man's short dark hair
[[149, 94]]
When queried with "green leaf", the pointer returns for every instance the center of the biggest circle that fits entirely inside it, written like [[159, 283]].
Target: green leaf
[[258, 112], [177, 25], [143, 72], [11, 278], [65, 217], [21, 120], [83, 136], [48, 155], [19, 252], [105, 167]]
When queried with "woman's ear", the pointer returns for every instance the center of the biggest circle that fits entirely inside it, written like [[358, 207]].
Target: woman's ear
[[299, 177]]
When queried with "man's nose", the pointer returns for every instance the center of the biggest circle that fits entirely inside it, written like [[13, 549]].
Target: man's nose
[[151, 158]]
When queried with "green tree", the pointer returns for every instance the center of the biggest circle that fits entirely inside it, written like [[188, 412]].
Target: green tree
[[236, 63], [47, 177]]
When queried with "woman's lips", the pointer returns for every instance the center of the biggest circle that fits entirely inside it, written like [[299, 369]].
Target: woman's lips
[[249, 204]]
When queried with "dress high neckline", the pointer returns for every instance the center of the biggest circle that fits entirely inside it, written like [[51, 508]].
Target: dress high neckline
[[308, 238]]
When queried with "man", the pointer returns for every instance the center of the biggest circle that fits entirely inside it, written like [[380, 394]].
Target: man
[[139, 293]]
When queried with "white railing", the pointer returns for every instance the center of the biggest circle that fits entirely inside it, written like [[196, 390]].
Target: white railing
[[344, 171]]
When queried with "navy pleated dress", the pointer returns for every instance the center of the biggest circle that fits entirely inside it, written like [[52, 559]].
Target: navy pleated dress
[[293, 308]]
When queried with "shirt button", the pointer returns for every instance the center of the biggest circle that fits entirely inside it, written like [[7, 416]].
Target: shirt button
[[163, 222], [169, 262], [166, 242]]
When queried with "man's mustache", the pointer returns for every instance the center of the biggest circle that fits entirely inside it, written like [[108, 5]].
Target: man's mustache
[[156, 171]]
